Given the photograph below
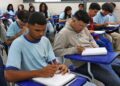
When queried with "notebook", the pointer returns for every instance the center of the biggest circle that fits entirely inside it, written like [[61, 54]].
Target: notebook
[[99, 32], [56, 80], [117, 25], [94, 51]]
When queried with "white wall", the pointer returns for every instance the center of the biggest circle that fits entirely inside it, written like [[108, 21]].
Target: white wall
[[4, 3], [54, 8]]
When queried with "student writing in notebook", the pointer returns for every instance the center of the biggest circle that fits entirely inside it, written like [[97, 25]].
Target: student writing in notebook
[[74, 38], [31, 55], [100, 39], [102, 20], [17, 28]]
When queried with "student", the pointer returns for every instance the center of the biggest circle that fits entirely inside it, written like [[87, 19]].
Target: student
[[17, 28], [31, 9], [10, 9], [73, 39], [102, 21], [30, 4], [112, 16], [10, 13], [20, 8], [31, 55], [81, 6], [43, 8], [101, 40], [64, 16]]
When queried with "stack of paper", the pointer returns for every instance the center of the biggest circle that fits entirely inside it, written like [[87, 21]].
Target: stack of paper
[[110, 25], [94, 51], [56, 80]]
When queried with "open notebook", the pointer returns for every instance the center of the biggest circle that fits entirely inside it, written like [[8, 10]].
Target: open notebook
[[117, 25], [99, 32], [94, 51], [56, 80]]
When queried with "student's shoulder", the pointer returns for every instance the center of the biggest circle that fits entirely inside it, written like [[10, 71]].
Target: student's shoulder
[[13, 24], [19, 40], [61, 14], [64, 32], [44, 38]]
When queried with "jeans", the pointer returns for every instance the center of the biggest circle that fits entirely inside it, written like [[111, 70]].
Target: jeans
[[102, 72], [2, 78]]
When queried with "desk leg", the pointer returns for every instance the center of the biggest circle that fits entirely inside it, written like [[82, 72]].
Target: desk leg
[[89, 71]]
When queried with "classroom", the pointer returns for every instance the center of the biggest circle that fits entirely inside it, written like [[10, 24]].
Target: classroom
[[59, 43]]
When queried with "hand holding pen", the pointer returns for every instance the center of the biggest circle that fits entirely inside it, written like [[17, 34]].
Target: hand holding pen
[[80, 48]]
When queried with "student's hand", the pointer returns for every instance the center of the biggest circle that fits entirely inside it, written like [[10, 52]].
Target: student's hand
[[91, 31], [80, 49], [48, 71], [105, 24], [8, 42], [62, 68]]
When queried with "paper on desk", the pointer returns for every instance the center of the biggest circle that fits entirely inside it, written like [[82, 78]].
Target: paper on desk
[[94, 51], [56, 80], [110, 25], [99, 32]]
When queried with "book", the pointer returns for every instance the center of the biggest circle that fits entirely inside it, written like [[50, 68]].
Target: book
[[99, 32], [94, 51], [56, 80]]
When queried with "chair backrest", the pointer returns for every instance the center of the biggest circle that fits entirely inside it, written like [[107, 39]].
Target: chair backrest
[[3, 82], [55, 19]]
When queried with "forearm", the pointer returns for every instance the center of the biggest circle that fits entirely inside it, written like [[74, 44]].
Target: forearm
[[14, 76], [11, 39], [99, 25], [64, 51], [61, 20]]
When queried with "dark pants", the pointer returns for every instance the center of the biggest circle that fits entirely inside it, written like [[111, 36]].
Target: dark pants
[[107, 74], [2, 78]]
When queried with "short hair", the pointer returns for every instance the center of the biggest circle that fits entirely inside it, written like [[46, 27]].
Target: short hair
[[81, 5], [82, 15], [37, 18], [8, 7], [94, 6], [107, 7], [23, 15]]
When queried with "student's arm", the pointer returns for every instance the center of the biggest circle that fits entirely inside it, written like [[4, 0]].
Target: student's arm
[[13, 70], [101, 25], [10, 39], [19, 75], [91, 39], [49, 16], [61, 46], [61, 18], [51, 57], [97, 22]]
